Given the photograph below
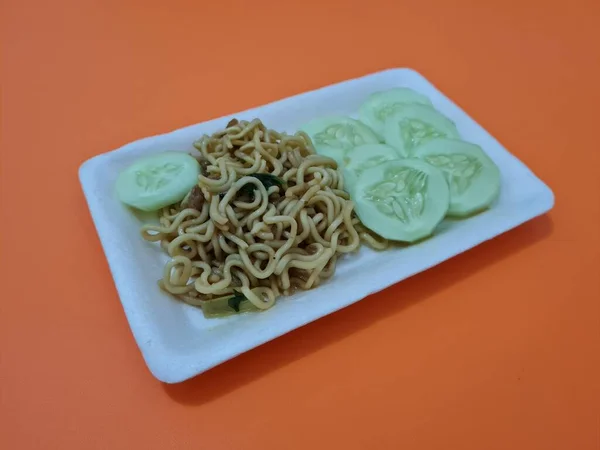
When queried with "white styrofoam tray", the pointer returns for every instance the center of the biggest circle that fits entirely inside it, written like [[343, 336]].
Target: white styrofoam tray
[[177, 342]]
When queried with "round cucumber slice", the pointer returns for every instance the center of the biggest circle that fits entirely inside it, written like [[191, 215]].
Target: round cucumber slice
[[473, 177], [156, 181], [413, 125], [333, 136], [363, 157], [382, 104], [402, 200]]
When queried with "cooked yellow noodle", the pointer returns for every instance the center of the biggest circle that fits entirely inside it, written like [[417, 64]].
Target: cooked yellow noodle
[[280, 240]]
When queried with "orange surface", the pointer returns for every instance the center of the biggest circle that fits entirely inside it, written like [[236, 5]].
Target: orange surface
[[445, 360]]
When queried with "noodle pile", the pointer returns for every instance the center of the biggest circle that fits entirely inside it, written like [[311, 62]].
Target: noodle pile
[[236, 232]]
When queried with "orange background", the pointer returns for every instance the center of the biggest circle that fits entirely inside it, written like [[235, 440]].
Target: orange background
[[444, 360]]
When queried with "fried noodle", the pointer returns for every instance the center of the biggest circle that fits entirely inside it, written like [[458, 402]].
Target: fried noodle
[[233, 232]]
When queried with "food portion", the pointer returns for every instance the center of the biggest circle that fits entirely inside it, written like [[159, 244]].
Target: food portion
[[394, 204], [266, 216], [380, 105], [256, 213], [334, 136], [402, 200], [473, 178], [155, 181], [413, 125], [363, 157]]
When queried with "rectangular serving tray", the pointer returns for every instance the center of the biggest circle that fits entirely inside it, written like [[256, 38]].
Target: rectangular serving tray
[[177, 342]]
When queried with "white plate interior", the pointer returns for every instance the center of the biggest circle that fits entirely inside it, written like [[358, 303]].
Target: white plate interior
[[177, 342]]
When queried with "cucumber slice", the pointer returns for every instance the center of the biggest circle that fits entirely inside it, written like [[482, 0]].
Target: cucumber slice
[[402, 200], [227, 306], [363, 157], [473, 177], [155, 181], [382, 104], [413, 125], [333, 136]]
